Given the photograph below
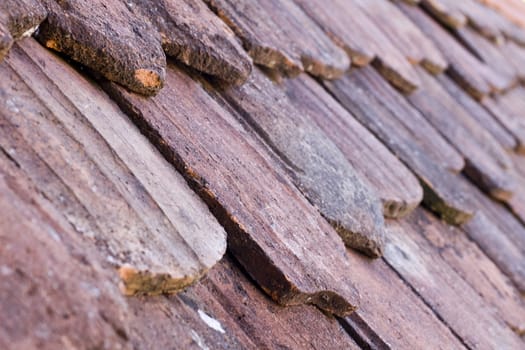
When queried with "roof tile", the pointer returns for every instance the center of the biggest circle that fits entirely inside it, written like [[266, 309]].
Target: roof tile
[[279, 238], [89, 161], [319, 169], [274, 34], [398, 189]]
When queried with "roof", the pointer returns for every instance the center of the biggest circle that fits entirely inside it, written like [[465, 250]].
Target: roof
[[278, 174]]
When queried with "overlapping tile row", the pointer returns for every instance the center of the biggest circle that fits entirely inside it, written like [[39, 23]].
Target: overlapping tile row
[[279, 238], [319, 169], [277, 163], [409, 136], [473, 13], [280, 36], [394, 183], [90, 162], [61, 286], [445, 291], [487, 163], [475, 76]]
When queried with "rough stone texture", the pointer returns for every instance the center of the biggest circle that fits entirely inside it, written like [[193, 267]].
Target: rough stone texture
[[112, 186], [319, 169], [278, 35], [192, 34], [486, 120], [398, 189], [18, 19], [477, 78], [277, 236], [109, 37], [487, 163], [385, 113], [479, 326], [363, 40]]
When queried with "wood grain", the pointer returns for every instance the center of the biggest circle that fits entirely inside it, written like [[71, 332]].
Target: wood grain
[[277, 34], [511, 122], [490, 54], [478, 16], [398, 189], [111, 184], [499, 234]]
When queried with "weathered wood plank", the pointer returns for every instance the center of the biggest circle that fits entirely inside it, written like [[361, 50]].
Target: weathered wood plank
[[480, 114], [474, 76], [320, 170], [487, 163], [18, 19], [111, 184], [279, 238], [404, 34], [363, 41], [398, 189], [471, 263], [6, 40], [388, 115], [277, 34], [450, 296], [191, 33], [120, 44]]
